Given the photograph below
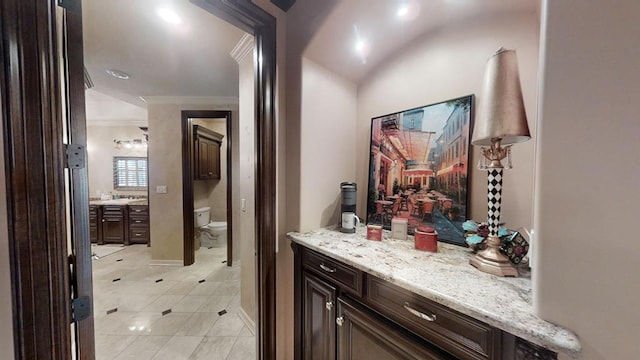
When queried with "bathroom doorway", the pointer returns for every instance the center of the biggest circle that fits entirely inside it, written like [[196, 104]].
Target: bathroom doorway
[[206, 192]]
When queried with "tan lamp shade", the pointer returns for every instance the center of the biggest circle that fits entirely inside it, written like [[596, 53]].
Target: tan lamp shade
[[501, 113]]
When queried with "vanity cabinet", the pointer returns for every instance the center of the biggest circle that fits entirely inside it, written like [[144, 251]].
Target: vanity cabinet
[[344, 313], [95, 213], [119, 224], [113, 224], [138, 224], [207, 145]]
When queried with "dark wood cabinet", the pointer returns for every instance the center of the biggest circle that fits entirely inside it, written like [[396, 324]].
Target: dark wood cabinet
[[207, 145], [114, 225], [119, 224], [138, 224], [362, 335], [95, 213], [345, 313], [319, 318]]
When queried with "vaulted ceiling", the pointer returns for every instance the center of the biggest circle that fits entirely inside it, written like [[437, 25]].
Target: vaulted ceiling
[[192, 57]]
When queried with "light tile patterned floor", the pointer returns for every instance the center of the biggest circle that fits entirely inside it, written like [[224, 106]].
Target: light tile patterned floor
[[197, 296]]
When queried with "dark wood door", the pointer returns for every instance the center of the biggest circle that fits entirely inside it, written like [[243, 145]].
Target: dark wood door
[[362, 335], [319, 319]]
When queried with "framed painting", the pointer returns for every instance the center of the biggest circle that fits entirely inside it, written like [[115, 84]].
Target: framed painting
[[419, 168]]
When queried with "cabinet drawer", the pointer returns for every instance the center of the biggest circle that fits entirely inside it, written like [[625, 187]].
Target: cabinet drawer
[[138, 236], [135, 221], [462, 336], [138, 210], [348, 277], [113, 210]]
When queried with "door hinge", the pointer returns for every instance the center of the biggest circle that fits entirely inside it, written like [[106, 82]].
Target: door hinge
[[76, 156], [69, 4], [80, 308]]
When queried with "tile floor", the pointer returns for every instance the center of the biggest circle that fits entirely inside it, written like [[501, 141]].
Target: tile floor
[[169, 312]]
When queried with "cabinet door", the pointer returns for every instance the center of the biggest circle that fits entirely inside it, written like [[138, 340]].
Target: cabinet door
[[362, 335], [93, 223], [113, 225], [214, 160], [319, 329]]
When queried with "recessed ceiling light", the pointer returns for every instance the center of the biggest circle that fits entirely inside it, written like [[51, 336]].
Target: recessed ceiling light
[[169, 16], [118, 74], [361, 45], [403, 11]]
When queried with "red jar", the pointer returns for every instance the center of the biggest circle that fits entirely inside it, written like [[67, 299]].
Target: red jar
[[426, 239], [374, 232]]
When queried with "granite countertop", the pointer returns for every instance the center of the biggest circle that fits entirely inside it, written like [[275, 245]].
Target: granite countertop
[[120, 202], [446, 278]]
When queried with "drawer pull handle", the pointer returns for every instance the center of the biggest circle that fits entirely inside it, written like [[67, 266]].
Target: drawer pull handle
[[417, 313], [329, 305], [138, 234], [327, 269], [339, 320], [138, 221]]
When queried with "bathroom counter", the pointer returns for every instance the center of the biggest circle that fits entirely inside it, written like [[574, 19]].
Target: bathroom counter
[[446, 278], [120, 202]]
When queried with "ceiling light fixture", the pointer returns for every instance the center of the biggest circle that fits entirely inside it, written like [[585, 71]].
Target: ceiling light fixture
[[361, 45], [118, 74], [169, 16], [403, 11]]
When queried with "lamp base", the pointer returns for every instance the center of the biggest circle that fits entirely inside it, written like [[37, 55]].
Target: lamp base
[[492, 261]]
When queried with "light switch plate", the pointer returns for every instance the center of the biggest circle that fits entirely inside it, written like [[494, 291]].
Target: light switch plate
[[161, 189], [243, 205]]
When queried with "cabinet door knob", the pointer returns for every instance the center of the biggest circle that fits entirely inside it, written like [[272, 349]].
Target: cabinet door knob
[[327, 269], [104, 220], [329, 305], [339, 320], [419, 314]]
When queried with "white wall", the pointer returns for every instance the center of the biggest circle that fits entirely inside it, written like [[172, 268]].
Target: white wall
[[246, 230], [447, 64], [327, 150], [100, 153], [586, 270]]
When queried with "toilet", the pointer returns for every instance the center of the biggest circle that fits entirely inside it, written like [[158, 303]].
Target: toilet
[[210, 234]]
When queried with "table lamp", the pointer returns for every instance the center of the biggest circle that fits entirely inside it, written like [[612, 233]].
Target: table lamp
[[501, 122]]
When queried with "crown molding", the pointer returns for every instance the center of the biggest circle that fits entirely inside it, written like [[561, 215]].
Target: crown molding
[[243, 48], [192, 100]]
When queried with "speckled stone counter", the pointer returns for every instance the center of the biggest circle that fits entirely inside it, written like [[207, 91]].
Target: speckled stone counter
[[447, 278]]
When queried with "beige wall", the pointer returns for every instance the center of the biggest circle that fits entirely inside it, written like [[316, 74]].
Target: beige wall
[[6, 311], [327, 146], [447, 64], [165, 168], [100, 153], [245, 232], [586, 263]]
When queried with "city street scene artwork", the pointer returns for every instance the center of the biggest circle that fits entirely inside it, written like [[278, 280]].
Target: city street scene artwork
[[419, 166]]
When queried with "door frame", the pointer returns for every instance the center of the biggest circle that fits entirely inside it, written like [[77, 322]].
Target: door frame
[[188, 159], [31, 109], [252, 19]]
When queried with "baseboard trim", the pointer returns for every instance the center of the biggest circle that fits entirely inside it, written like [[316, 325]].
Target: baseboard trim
[[251, 325], [166, 262]]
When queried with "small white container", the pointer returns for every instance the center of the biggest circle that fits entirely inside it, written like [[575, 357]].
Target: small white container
[[399, 227]]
